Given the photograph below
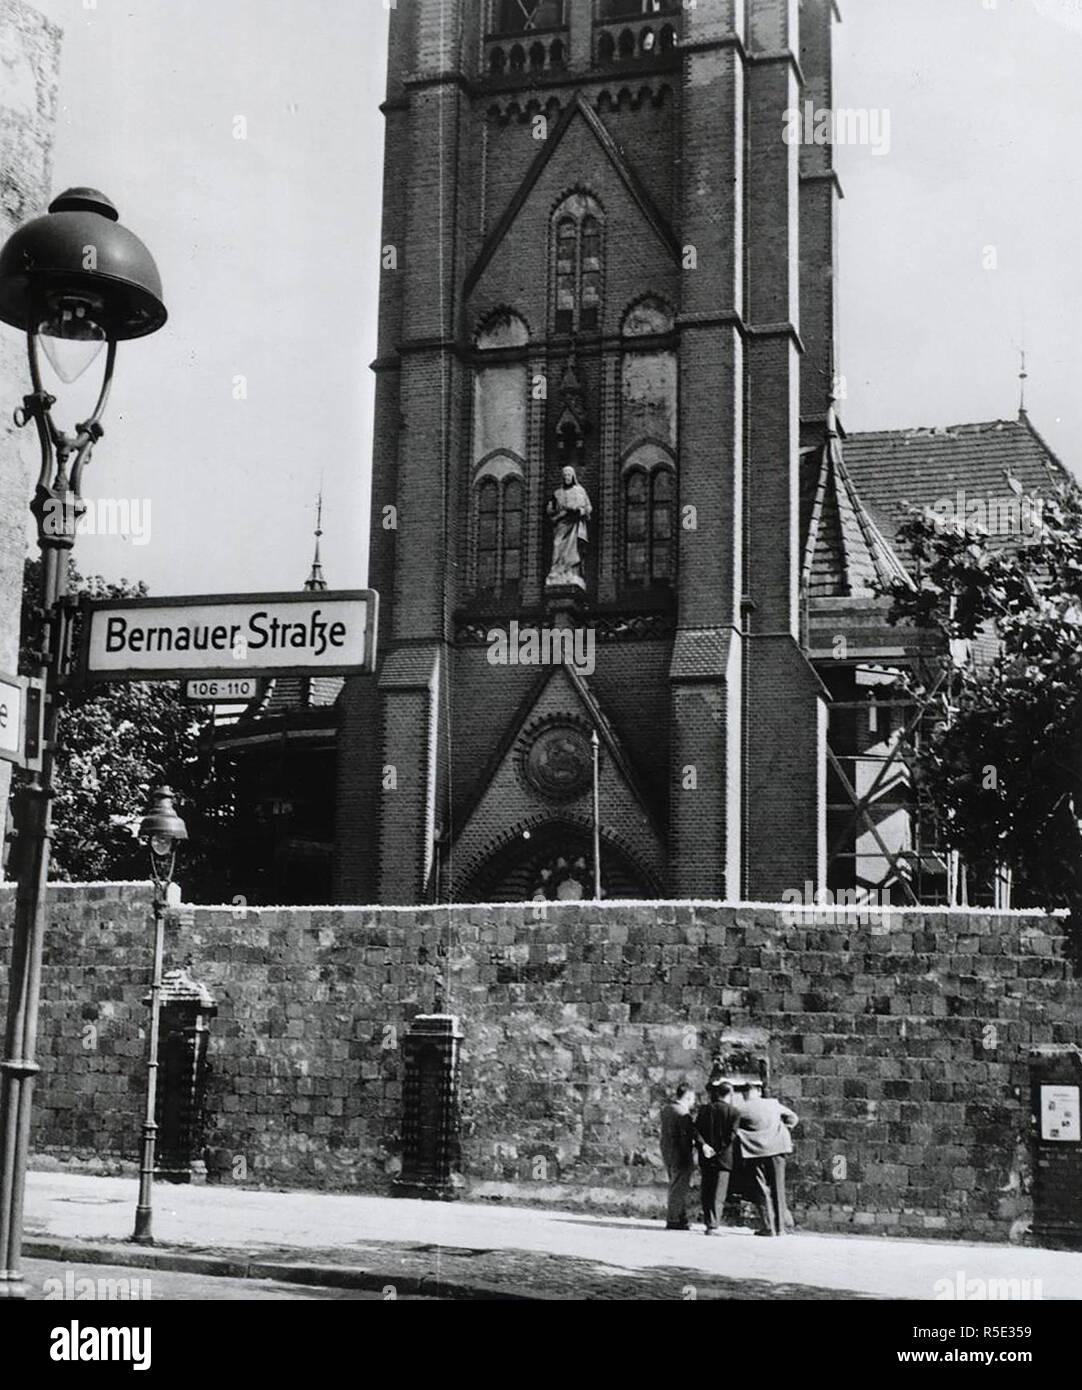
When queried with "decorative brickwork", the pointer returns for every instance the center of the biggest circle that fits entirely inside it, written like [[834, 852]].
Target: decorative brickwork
[[903, 1046]]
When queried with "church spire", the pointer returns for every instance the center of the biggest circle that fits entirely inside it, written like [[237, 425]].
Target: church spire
[[315, 581]]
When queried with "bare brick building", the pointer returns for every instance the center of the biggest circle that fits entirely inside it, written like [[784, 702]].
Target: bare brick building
[[599, 252]]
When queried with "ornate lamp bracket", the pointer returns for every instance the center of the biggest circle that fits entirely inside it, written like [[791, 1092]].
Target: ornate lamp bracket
[[58, 502]]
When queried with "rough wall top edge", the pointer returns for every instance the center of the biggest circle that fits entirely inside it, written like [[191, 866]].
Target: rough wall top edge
[[135, 890]]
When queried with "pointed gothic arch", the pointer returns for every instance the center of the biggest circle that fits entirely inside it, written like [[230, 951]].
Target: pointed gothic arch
[[548, 858], [498, 489], [647, 315], [501, 327], [578, 267]]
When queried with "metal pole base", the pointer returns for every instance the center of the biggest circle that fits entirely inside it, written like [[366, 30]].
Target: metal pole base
[[143, 1234], [13, 1287]]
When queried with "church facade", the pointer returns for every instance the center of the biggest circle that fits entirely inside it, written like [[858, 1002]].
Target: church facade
[[630, 563], [606, 346]]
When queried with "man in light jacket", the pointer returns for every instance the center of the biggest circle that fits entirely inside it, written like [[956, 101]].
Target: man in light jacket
[[763, 1133]]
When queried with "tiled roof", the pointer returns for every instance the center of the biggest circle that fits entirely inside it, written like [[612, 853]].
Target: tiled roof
[[288, 693], [700, 652], [845, 553], [409, 668], [921, 466]]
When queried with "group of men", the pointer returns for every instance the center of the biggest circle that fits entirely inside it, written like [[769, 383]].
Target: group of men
[[741, 1138]]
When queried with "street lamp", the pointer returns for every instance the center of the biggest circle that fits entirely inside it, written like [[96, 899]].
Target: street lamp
[[161, 831], [73, 282]]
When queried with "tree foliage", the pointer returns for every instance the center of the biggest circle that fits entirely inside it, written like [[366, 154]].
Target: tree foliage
[[1002, 770], [116, 742]]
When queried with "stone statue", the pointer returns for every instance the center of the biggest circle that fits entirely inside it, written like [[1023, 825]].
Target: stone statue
[[570, 509]]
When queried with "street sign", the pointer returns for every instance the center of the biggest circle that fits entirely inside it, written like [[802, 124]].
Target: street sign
[[21, 711], [229, 636], [12, 718], [222, 692]]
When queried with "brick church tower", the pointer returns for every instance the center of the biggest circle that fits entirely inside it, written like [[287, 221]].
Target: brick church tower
[[600, 254]]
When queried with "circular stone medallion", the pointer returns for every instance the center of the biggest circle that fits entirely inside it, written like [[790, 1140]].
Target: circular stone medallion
[[558, 762]]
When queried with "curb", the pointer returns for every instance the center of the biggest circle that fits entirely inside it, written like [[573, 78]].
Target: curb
[[240, 1266]]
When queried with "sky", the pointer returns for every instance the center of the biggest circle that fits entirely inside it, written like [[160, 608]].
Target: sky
[[242, 141]]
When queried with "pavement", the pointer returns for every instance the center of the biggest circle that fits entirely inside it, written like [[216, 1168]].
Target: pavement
[[402, 1248], [50, 1282]]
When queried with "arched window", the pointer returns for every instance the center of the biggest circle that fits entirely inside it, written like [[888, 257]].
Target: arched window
[[499, 519], [579, 265], [499, 451], [636, 506], [488, 533], [514, 504], [566, 276], [649, 521], [661, 525], [589, 318]]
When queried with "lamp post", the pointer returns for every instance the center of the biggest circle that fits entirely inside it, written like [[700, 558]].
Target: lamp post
[[162, 830], [73, 282]]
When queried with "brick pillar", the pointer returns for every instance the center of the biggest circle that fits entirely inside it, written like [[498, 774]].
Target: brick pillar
[[419, 454], [783, 775], [819, 191], [785, 788], [359, 778], [705, 670]]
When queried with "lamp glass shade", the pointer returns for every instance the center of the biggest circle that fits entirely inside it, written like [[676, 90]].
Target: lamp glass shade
[[71, 337], [79, 253], [161, 825]]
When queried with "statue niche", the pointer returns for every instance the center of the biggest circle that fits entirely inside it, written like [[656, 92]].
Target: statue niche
[[569, 508]]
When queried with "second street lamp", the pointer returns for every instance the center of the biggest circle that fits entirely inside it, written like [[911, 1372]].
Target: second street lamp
[[71, 281], [162, 830]]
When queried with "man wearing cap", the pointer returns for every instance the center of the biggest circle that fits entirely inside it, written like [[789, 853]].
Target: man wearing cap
[[716, 1123], [679, 1139], [763, 1134]]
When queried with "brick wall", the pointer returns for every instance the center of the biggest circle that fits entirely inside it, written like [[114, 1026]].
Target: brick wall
[[901, 1045], [29, 58]]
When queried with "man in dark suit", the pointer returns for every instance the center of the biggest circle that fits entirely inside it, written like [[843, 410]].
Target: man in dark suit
[[716, 1123], [678, 1141]]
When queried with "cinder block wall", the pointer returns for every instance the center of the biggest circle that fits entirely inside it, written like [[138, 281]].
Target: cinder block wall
[[902, 1045], [29, 62]]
